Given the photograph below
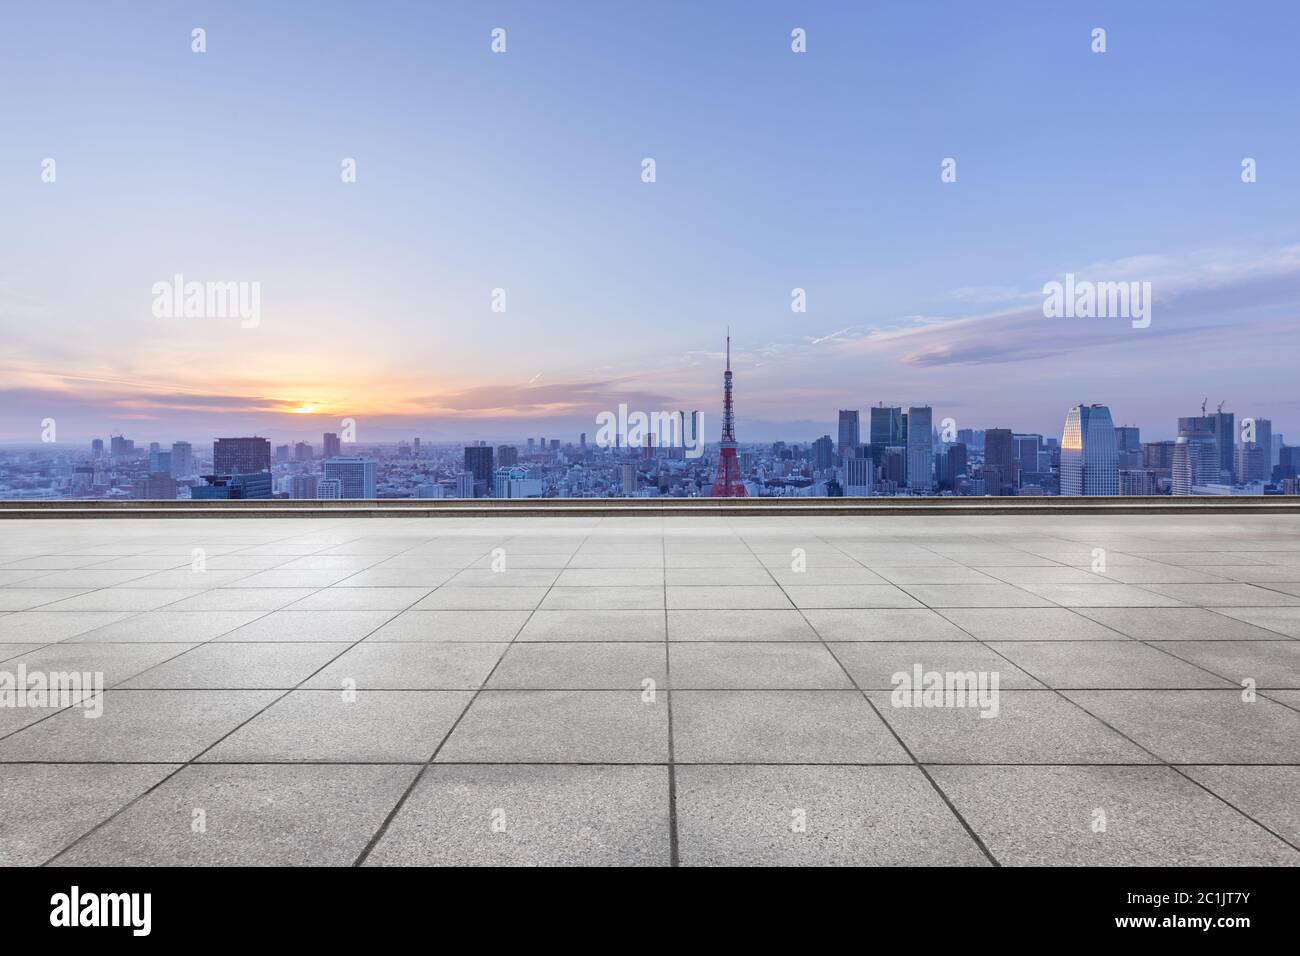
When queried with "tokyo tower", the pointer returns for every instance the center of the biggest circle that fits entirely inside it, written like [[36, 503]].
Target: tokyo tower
[[727, 483]]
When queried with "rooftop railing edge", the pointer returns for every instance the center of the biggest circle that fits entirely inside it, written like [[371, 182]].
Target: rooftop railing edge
[[543, 507]]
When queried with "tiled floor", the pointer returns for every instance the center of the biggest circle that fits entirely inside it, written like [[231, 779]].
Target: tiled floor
[[649, 690]]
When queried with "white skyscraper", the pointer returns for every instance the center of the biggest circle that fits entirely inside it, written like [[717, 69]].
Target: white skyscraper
[[1089, 453], [357, 476], [920, 449], [182, 460]]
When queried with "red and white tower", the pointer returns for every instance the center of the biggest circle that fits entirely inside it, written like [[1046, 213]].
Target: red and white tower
[[727, 483]]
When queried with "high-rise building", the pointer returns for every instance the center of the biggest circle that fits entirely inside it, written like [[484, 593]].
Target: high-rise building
[[120, 447], [282, 453], [849, 436], [357, 476], [629, 479], [415, 447], [859, 476], [508, 456], [1128, 438], [1089, 458], [97, 448], [303, 487], [999, 462], [332, 447], [920, 449], [256, 485], [1196, 462], [886, 426], [1255, 450], [823, 453], [329, 489], [160, 462], [182, 459], [302, 451], [241, 456], [1026, 449], [956, 466], [479, 465]]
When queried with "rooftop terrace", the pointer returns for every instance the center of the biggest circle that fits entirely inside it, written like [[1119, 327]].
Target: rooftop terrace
[[654, 689]]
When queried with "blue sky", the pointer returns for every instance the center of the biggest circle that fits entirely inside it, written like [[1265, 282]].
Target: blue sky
[[522, 171]]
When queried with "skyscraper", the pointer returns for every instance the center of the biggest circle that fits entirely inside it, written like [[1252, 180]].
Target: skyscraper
[[1254, 452], [1089, 457], [507, 456], [999, 462], [182, 459], [478, 463], [849, 437], [241, 456], [1196, 461], [356, 476], [332, 446], [823, 453], [920, 449], [859, 475], [886, 426]]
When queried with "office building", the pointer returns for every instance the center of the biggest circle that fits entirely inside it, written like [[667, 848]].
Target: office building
[[479, 465], [329, 489], [241, 456], [858, 476], [303, 487], [920, 449], [1089, 458], [332, 446], [999, 462], [1196, 462], [849, 436], [182, 461], [302, 451], [233, 486], [823, 453], [508, 455], [356, 475]]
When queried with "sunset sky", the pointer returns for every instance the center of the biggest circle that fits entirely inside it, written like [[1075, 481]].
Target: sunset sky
[[522, 171]]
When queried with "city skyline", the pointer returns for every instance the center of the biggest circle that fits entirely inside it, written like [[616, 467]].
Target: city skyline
[[517, 172]]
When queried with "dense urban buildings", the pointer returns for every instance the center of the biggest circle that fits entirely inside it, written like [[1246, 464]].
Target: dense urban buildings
[[1212, 454]]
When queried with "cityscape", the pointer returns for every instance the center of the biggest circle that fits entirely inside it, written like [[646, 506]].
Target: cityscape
[[890, 451]]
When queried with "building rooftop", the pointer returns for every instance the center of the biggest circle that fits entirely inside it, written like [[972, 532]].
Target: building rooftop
[[645, 689]]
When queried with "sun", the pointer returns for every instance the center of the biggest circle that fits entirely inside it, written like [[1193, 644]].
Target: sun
[[305, 409]]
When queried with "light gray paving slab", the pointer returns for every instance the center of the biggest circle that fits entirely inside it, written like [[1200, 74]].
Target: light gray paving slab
[[1030, 726], [411, 666], [42, 627], [1122, 663], [1269, 795], [1175, 624], [45, 807], [531, 816], [307, 626], [1152, 816], [772, 624], [267, 815], [780, 726], [167, 726], [1199, 726], [753, 665], [422, 626], [594, 625], [1270, 664], [816, 816], [244, 666], [545, 726], [330, 726], [583, 665], [874, 664]]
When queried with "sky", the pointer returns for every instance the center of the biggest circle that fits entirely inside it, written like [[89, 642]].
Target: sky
[[523, 171]]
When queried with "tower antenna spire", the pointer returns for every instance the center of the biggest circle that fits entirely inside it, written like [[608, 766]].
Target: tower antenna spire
[[728, 483]]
